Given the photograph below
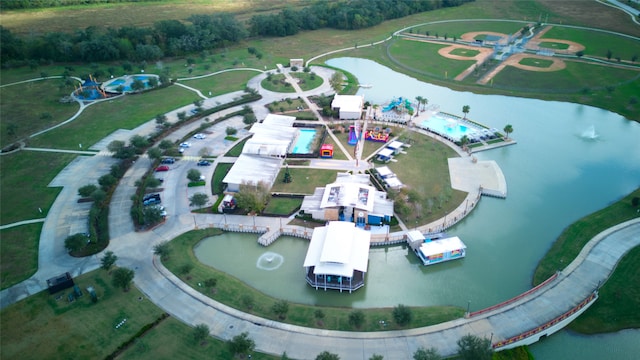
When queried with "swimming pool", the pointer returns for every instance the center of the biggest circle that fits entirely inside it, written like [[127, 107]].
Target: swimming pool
[[305, 139], [452, 128]]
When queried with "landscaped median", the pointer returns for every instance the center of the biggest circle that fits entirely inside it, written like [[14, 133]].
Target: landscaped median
[[234, 293]]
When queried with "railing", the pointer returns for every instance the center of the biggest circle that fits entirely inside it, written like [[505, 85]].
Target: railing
[[545, 326], [514, 299]]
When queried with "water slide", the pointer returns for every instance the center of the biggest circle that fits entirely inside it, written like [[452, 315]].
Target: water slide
[[353, 137]]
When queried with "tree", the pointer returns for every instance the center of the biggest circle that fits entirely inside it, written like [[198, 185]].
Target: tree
[[200, 333], [115, 146], [426, 354], [465, 110], [161, 119], [199, 200], [471, 347], [75, 242], [152, 215], [508, 129], [419, 101], [108, 260], [464, 140], [122, 278], [336, 81], [402, 315], [87, 190], [249, 117], [98, 196], [253, 197], [635, 201], [163, 250], [165, 144], [139, 141], [181, 115], [153, 182], [231, 131], [193, 175], [580, 53], [376, 357], [280, 308], [609, 54], [154, 153], [356, 318], [319, 315], [325, 355], [106, 181], [241, 344]]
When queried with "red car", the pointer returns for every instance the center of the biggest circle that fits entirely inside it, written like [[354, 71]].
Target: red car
[[162, 168]]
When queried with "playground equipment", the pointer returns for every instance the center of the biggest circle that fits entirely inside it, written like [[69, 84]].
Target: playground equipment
[[89, 90], [399, 105], [377, 135], [353, 137], [326, 151]]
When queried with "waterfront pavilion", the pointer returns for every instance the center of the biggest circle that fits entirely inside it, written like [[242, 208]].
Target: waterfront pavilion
[[337, 257]]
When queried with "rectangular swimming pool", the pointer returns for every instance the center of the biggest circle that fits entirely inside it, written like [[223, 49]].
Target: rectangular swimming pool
[[305, 139], [451, 128]]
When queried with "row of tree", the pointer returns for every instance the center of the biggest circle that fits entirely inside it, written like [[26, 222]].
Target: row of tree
[[345, 15], [201, 32]]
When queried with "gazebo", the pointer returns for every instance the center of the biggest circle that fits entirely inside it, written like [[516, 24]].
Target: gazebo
[[337, 257]]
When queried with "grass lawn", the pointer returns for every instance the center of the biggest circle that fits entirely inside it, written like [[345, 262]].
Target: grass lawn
[[277, 83], [100, 120], [236, 150], [428, 61], [218, 174], [596, 43], [233, 292], [617, 306], [222, 83], [287, 105], [541, 63], [554, 45], [18, 253], [45, 327], [307, 81], [576, 76], [457, 29], [172, 339], [21, 199], [464, 52], [305, 180], [282, 205], [337, 152], [30, 107]]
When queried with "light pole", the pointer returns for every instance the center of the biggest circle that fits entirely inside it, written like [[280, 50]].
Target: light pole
[[468, 307]]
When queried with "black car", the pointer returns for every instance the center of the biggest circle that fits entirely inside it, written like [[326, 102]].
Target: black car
[[168, 160], [151, 199], [203, 163]]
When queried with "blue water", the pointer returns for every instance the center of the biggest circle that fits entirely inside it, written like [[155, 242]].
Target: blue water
[[303, 145], [452, 129]]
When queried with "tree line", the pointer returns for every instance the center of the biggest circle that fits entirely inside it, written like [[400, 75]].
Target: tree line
[[343, 15], [198, 33]]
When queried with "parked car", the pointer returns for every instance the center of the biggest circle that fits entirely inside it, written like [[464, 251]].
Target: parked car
[[151, 199], [162, 168], [199, 136], [151, 196], [168, 160], [203, 163], [185, 144], [181, 150]]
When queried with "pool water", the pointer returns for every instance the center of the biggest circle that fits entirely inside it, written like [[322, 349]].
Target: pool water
[[453, 129], [305, 139]]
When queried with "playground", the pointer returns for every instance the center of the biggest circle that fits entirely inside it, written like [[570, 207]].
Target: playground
[[126, 84]]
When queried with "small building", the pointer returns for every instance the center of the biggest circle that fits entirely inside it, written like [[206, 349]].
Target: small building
[[60, 282], [436, 251], [337, 257], [299, 63], [326, 151], [385, 155], [350, 198], [349, 107]]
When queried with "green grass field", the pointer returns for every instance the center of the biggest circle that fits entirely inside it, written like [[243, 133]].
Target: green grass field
[[306, 81], [222, 83], [541, 63], [305, 180], [576, 76], [33, 106], [282, 206], [464, 52], [18, 253], [428, 60], [553, 45], [457, 29], [277, 84], [597, 43], [100, 120]]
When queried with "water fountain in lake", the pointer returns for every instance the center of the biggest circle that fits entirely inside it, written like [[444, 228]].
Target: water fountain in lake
[[590, 133], [269, 261]]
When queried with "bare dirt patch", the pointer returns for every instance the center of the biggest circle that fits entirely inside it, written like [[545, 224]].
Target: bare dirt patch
[[514, 60], [535, 41]]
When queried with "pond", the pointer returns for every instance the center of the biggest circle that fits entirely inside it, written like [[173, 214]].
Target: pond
[[570, 160]]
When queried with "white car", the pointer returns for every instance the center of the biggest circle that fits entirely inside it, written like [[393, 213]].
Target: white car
[[199, 136], [185, 145]]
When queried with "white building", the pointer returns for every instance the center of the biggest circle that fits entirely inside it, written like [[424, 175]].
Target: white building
[[337, 257], [348, 106]]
